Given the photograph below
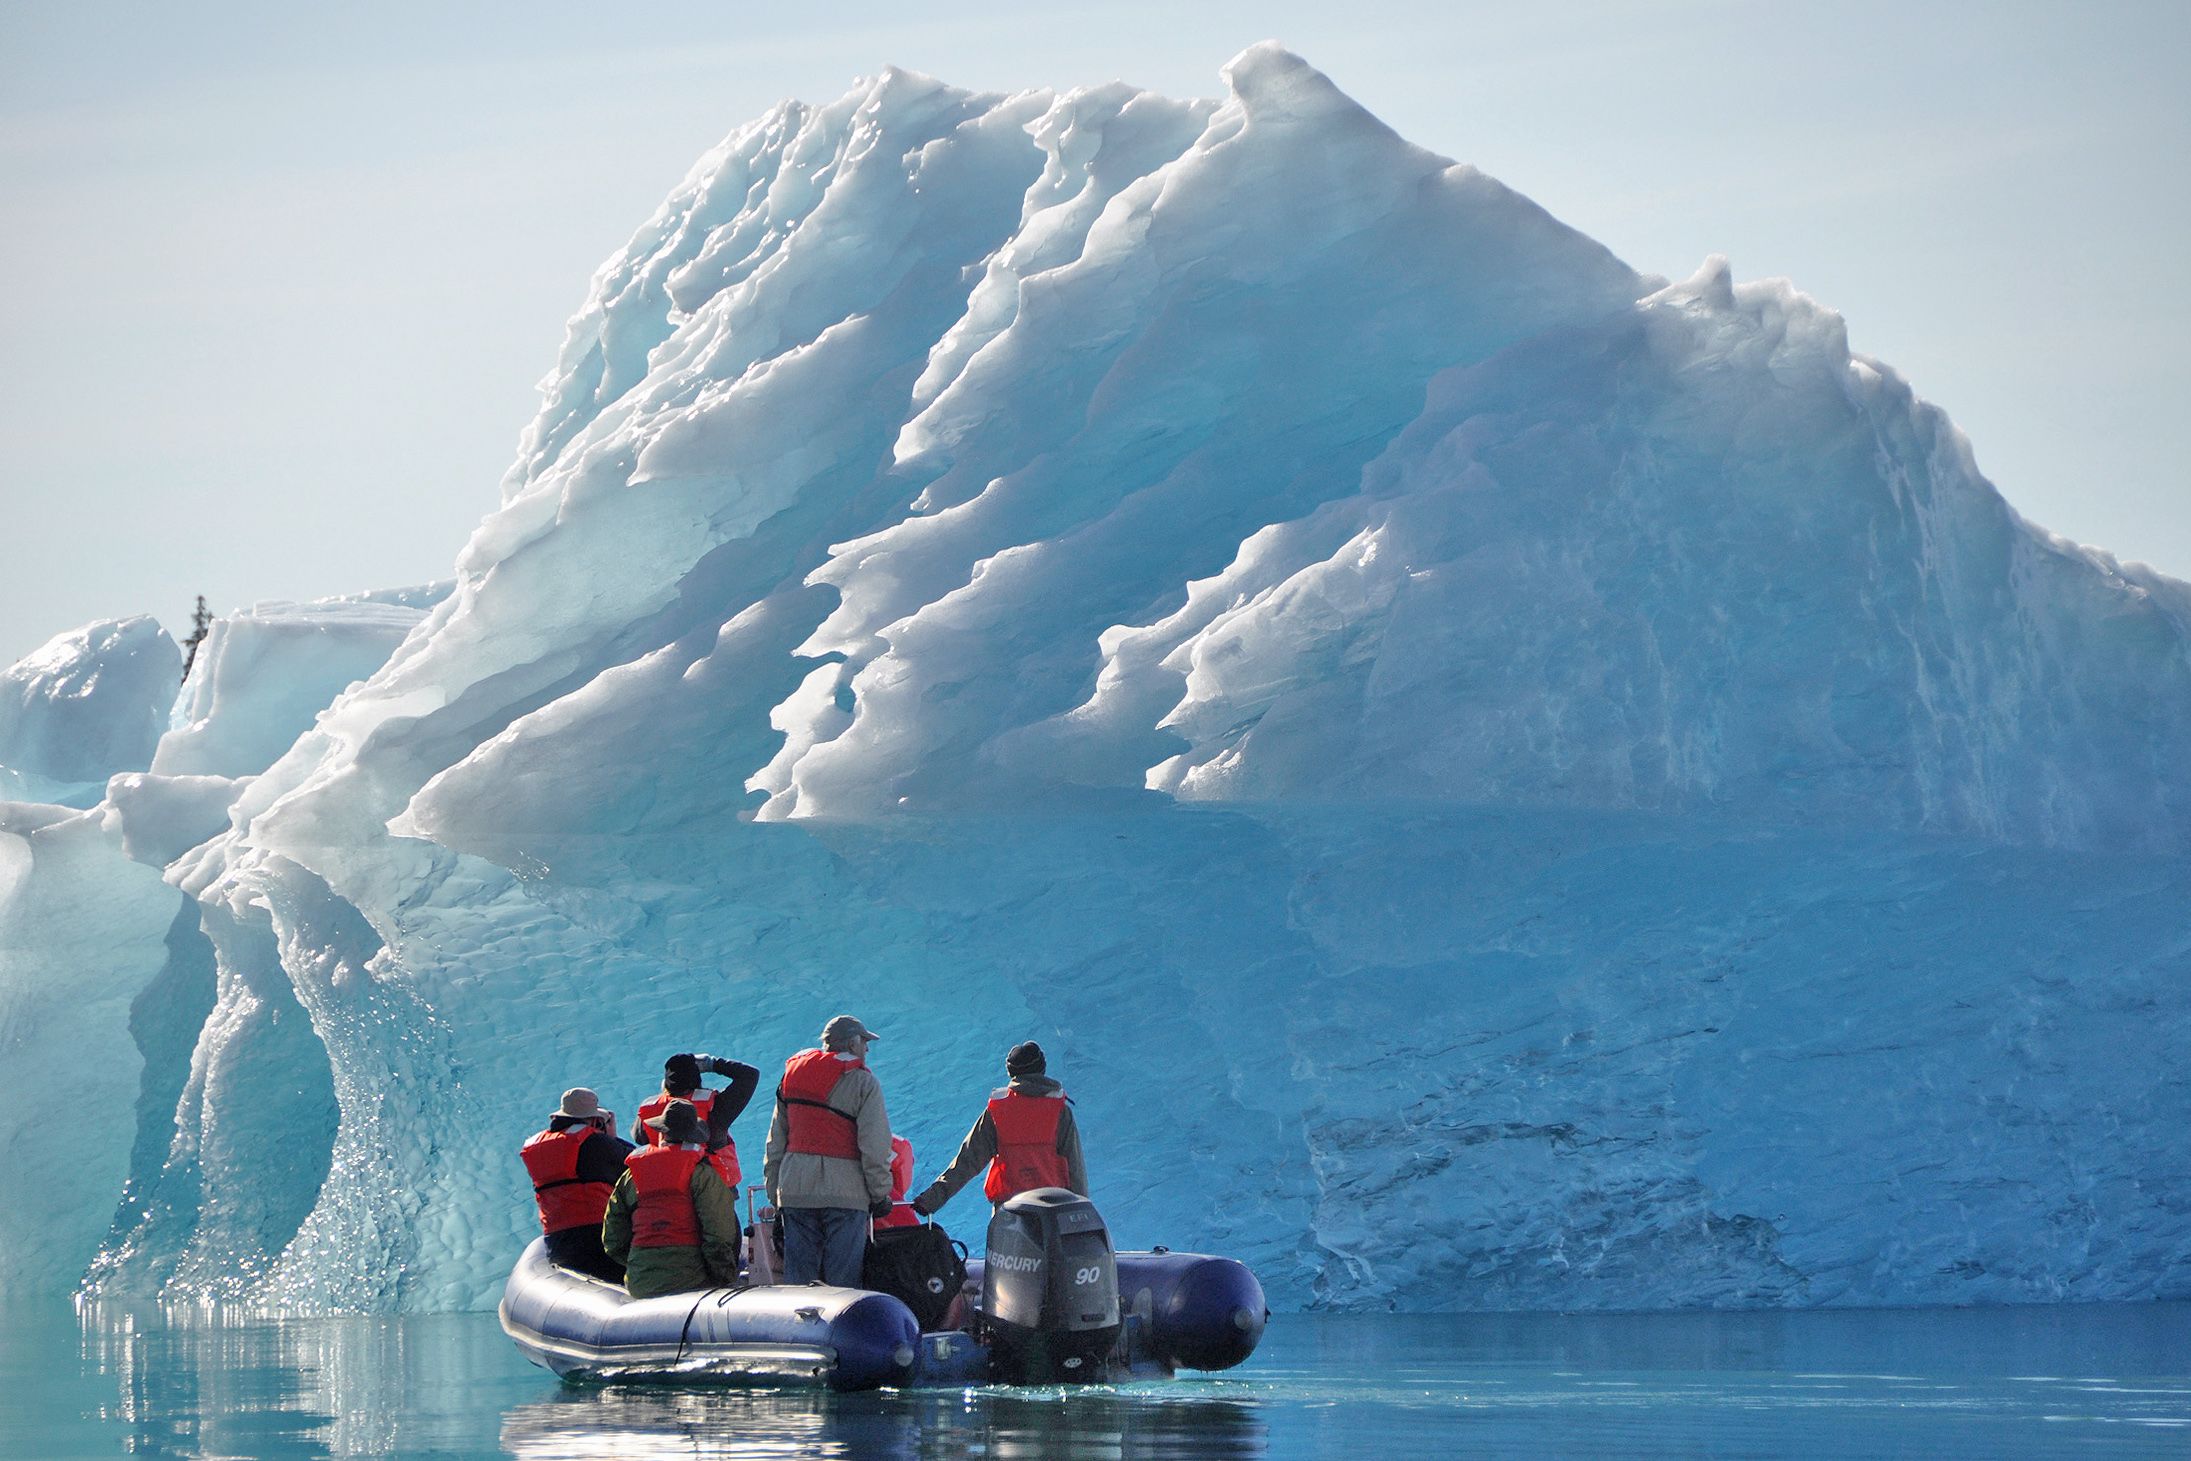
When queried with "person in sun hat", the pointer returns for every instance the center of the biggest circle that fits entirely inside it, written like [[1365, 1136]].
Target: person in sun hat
[[573, 1165], [672, 1220], [828, 1162]]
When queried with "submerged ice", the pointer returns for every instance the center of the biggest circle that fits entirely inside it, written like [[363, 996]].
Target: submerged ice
[[1501, 781]]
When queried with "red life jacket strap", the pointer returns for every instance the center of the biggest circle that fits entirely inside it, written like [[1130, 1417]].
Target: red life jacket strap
[[810, 1078], [784, 1100]]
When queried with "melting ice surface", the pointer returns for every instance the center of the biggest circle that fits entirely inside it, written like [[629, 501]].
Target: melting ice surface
[[1501, 782]]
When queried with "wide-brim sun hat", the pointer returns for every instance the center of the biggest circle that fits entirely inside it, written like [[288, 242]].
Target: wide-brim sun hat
[[581, 1104], [679, 1123]]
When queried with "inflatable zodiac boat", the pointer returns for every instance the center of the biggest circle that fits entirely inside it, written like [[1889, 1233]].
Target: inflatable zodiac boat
[[1052, 1302]]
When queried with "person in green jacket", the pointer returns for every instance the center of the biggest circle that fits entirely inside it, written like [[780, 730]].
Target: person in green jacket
[[673, 1217]]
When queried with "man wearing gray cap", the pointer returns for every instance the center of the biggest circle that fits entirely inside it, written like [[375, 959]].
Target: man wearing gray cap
[[828, 1163]]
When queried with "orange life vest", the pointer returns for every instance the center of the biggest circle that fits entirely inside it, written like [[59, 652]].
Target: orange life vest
[[551, 1158], [815, 1126], [703, 1100], [661, 1178], [725, 1157], [901, 1214], [1027, 1155]]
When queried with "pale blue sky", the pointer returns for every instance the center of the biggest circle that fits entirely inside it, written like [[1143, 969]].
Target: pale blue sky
[[280, 278]]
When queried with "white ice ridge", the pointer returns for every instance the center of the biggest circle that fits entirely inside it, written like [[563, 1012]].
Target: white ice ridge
[[87, 704], [1501, 781], [265, 673]]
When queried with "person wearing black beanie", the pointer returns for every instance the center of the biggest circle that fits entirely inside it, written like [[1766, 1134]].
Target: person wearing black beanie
[[681, 1077], [1026, 1137]]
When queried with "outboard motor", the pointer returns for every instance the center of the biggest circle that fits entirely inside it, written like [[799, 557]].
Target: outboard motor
[[1049, 1288]]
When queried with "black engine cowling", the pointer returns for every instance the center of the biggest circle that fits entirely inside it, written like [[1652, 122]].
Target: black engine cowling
[[1049, 1288]]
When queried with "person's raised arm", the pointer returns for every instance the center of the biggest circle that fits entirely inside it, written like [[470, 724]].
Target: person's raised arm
[[731, 1100]]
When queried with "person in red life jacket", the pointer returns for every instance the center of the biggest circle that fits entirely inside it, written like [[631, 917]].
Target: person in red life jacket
[[901, 1214], [1026, 1137], [828, 1160], [672, 1220], [681, 1076], [573, 1165]]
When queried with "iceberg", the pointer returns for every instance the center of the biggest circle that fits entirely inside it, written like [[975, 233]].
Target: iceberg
[[269, 670], [106, 977], [1501, 781], [84, 706]]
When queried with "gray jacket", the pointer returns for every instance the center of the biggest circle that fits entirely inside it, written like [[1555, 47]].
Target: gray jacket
[[807, 1179], [980, 1147]]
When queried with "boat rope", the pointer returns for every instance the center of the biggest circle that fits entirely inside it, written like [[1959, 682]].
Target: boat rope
[[721, 1296], [684, 1335]]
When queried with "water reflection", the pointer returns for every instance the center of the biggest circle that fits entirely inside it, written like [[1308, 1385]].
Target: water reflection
[[148, 1383], [1978, 1383], [254, 1386], [225, 1390], [1126, 1424]]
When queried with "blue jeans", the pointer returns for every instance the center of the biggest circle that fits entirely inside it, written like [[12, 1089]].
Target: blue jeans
[[828, 1243]]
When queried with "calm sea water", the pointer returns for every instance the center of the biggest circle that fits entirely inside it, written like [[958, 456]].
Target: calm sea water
[[2051, 1381]]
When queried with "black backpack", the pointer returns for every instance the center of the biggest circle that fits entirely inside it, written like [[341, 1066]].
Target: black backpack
[[922, 1267]]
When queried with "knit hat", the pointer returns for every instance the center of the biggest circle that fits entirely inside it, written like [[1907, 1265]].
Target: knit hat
[[680, 1073], [1025, 1058]]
